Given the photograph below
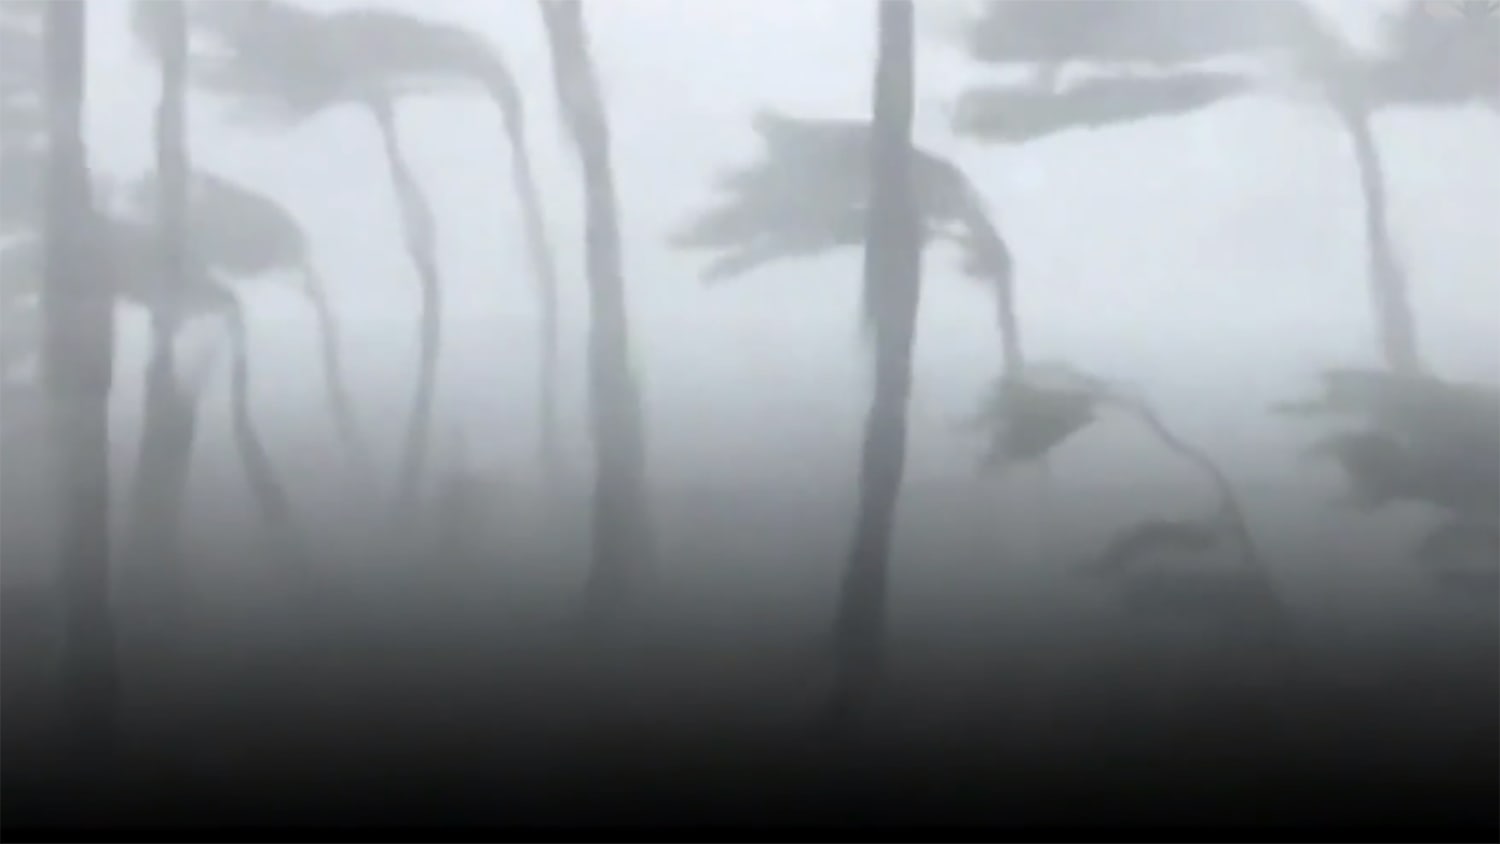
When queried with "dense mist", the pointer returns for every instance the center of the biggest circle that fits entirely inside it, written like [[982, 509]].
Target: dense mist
[[1211, 263]]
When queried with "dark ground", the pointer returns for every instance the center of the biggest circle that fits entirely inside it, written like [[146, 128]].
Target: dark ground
[[457, 693], [455, 719]]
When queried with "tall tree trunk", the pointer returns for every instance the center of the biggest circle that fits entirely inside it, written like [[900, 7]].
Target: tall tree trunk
[[160, 487], [78, 348], [892, 280], [420, 230], [543, 266], [621, 524], [1389, 293]]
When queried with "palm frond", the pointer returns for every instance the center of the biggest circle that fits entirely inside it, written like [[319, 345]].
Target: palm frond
[[1418, 438], [1027, 419], [1430, 60], [237, 230], [1017, 114], [1154, 32], [807, 194]]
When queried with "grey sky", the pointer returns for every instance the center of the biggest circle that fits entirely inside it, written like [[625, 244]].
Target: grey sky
[[1214, 261]]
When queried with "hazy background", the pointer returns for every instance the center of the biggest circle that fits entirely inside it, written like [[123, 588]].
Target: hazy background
[[1215, 261]]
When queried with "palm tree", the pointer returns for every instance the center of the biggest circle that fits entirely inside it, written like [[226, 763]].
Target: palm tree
[[244, 234], [78, 334], [284, 64], [622, 541], [170, 421], [892, 283], [1427, 62], [132, 269]]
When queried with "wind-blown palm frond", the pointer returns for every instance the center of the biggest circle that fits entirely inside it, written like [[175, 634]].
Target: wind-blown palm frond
[[1429, 60], [808, 195], [1154, 32], [280, 64], [1418, 438], [243, 233], [1026, 419], [1017, 114]]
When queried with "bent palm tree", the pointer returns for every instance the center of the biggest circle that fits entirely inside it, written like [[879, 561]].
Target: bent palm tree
[[283, 64], [78, 350], [244, 234], [892, 283], [621, 519]]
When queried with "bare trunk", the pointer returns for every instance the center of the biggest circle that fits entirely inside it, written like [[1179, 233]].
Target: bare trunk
[[272, 501], [892, 280], [543, 267], [78, 348], [1389, 292], [421, 244], [340, 404], [167, 439], [621, 527]]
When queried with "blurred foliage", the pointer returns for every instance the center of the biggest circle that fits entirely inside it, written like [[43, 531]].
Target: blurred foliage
[[1429, 59], [808, 195], [1017, 114], [1418, 438], [1159, 33], [1027, 418], [238, 231], [281, 63]]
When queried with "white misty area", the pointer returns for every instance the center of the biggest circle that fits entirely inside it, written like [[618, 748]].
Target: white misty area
[[1214, 262]]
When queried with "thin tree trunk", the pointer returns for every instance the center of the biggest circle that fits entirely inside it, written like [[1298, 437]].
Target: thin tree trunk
[[420, 230], [160, 487], [272, 501], [621, 525], [340, 403], [1389, 293], [543, 267], [78, 312], [892, 281]]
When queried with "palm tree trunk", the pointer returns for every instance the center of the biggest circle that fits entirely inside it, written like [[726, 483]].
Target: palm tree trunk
[[272, 501], [621, 525], [340, 403], [892, 280], [420, 230], [1389, 292], [167, 439], [544, 267], [78, 311]]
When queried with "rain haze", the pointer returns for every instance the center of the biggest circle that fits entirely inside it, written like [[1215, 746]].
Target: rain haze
[[1214, 262]]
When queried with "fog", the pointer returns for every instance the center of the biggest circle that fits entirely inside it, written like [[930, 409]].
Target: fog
[[1215, 262]]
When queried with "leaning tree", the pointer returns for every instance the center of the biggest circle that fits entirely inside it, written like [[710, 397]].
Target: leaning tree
[[281, 65]]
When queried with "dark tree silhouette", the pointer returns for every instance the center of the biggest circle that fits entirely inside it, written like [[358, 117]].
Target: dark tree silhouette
[[78, 335], [282, 64], [622, 540], [160, 487], [892, 284]]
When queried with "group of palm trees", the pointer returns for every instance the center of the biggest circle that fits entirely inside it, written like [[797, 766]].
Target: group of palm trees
[[194, 232], [185, 237]]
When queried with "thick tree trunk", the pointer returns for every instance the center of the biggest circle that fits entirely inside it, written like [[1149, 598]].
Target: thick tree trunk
[[543, 267], [1389, 293], [420, 230], [622, 533], [892, 281], [162, 470], [78, 349]]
